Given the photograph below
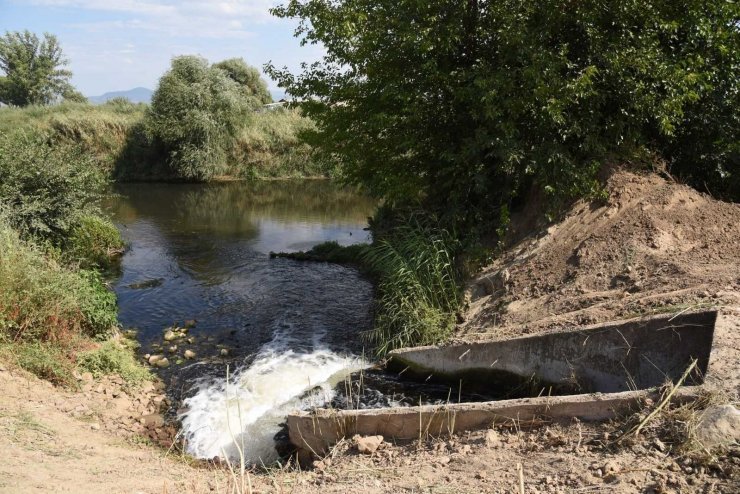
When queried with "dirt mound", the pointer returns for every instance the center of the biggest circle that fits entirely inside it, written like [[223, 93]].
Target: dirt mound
[[653, 246]]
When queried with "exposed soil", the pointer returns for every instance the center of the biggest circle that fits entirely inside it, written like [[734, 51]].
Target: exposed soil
[[653, 246]]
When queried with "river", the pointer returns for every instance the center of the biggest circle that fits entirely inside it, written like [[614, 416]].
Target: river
[[288, 331]]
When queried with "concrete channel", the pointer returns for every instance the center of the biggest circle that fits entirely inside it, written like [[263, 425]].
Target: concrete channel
[[592, 374]]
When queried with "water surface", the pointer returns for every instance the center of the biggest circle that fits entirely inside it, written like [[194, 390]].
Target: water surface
[[289, 330]]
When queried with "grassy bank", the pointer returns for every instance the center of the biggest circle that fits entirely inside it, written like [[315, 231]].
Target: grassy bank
[[117, 136], [54, 243]]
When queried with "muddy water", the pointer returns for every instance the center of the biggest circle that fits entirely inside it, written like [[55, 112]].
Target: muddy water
[[288, 331]]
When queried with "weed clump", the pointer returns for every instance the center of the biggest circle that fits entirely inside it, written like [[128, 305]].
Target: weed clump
[[114, 357], [94, 242], [418, 291]]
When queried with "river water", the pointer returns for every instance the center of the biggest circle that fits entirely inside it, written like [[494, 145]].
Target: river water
[[288, 331]]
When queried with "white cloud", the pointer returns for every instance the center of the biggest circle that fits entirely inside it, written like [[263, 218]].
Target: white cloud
[[250, 10]]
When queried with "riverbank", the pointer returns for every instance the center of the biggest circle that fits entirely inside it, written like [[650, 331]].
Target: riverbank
[[268, 146], [63, 441]]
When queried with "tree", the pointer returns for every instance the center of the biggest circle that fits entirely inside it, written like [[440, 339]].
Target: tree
[[195, 113], [34, 69], [465, 105], [247, 77]]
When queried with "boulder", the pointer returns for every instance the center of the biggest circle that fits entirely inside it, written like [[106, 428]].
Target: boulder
[[152, 420], [162, 363], [719, 426], [169, 335], [189, 354], [153, 359]]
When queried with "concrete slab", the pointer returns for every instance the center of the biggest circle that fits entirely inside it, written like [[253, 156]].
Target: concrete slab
[[317, 431]]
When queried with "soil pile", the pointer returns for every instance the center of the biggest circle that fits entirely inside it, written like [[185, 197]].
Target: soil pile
[[653, 246]]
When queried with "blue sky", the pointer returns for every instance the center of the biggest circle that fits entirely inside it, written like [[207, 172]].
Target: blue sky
[[120, 44]]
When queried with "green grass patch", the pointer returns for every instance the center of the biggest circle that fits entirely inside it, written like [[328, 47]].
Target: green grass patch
[[45, 360], [114, 357]]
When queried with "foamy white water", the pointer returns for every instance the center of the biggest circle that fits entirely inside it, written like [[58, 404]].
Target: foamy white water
[[248, 409]]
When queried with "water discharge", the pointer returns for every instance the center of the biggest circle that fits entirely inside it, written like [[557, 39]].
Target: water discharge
[[248, 409]]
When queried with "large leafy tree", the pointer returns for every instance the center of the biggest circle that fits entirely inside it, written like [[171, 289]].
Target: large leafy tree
[[34, 69], [464, 105]]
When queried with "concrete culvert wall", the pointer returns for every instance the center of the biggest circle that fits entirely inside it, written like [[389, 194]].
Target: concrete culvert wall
[[607, 359], [614, 367]]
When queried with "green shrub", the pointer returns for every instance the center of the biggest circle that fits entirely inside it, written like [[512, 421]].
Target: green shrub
[[417, 289], [465, 106], [93, 242], [46, 187], [41, 300], [113, 357], [196, 112]]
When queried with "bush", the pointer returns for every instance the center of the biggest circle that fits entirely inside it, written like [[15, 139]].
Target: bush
[[113, 357], [196, 112], [418, 292], [42, 301], [46, 187], [93, 242]]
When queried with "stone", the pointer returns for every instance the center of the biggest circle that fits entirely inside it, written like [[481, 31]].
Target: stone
[[719, 426], [162, 363], [153, 420], [367, 444], [224, 352], [169, 335], [189, 354], [153, 359], [172, 349]]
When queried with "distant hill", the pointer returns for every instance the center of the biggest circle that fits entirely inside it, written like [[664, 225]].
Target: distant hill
[[136, 95]]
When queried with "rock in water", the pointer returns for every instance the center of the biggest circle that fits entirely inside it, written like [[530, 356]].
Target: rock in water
[[189, 354], [163, 363], [368, 444], [169, 335], [154, 359], [719, 426]]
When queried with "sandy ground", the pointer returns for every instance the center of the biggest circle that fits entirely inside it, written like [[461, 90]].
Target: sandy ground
[[654, 246]]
